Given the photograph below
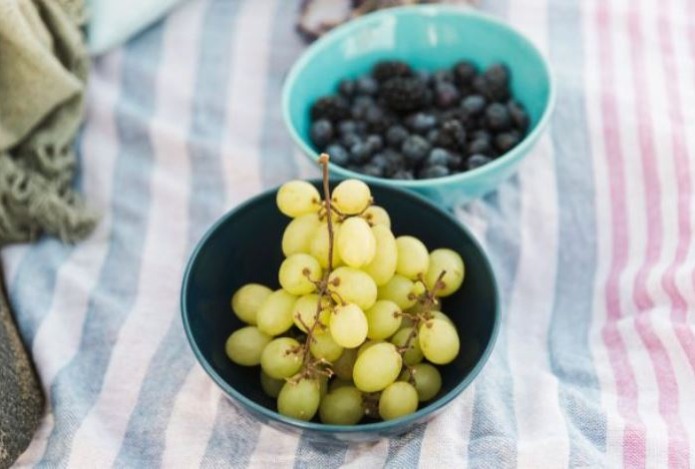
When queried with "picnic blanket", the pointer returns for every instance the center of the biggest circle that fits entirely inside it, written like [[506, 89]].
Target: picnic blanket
[[592, 243]]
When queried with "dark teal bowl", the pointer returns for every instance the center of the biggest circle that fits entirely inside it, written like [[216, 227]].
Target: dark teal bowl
[[427, 37], [245, 246]]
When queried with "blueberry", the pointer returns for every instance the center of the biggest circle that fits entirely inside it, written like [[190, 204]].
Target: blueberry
[[395, 135], [497, 75], [434, 136], [360, 106], [394, 161], [473, 105], [374, 142], [347, 127], [375, 118], [403, 174], [421, 122], [347, 88], [444, 75], [433, 172], [438, 157], [480, 86], [464, 72], [518, 115], [446, 95], [424, 75], [476, 161], [348, 140], [506, 141], [321, 132], [373, 170], [479, 146], [454, 132], [339, 155], [379, 160], [415, 148], [455, 161], [359, 153], [497, 116], [367, 85]]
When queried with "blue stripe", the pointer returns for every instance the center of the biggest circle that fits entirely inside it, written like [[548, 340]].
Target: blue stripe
[[404, 451], [173, 360], [77, 386], [323, 455], [568, 336], [233, 438]]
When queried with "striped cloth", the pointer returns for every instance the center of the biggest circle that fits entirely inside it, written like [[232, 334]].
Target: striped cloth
[[592, 243]]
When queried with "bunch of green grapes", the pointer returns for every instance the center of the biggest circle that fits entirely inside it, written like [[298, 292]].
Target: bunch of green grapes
[[356, 326]]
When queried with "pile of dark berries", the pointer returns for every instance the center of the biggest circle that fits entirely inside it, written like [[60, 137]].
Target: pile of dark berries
[[401, 123]]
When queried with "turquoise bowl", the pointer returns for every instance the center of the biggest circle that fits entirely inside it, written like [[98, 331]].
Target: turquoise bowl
[[245, 246], [427, 37]]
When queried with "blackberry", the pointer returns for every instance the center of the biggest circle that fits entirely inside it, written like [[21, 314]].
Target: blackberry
[[443, 76], [403, 93], [496, 78], [395, 135], [446, 95], [476, 161], [453, 134], [333, 108], [321, 133], [497, 117], [339, 155], [415, 149], [464, 73], [387, 69]]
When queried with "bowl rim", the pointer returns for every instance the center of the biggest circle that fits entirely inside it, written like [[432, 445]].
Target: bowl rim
[[430, 408], [344, 30]]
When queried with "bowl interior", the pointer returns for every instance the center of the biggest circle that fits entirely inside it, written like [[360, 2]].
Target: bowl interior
[[245, 246], [427, 37]]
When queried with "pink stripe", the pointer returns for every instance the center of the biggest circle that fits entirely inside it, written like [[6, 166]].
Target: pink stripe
[[678, 448], [634, 445]]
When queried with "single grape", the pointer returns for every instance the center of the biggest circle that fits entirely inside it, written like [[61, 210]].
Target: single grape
[[348, 325], [245, 345], [427, 379], [247, 300], [271, 386], [323, 385], [344, 365], [377, 367], [376, 215], [299, 233], [367, 345], [397, 400], [400, 290], [383, 265], [353, 286], [300, 400], [439, 341], [351, 196], [445, 260], [296, 198], [384, 319], [275, 314], [338, 383], [440, 315], [414, 353], [355, 242], [319, 245], [282, 358], [342, 406], [323, 346], [298, 272], [304, 313], [413, 258]]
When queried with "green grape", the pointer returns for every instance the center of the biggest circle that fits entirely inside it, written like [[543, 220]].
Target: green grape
[[355, 242], [376, 215], [245, 345], [414, 353], [377, 367], [344, 365], [366, 345], [319, 245], [383, 266], [427, 379], [323, 346], [400, 290], [445, 260], [440, 315], [338, 383], [348, 325], [299, 233], [439, 341], [413, 258], [275, 314], [305, 309], [406, 322], [297, 198], [300, 400], [323, 385], [282, 358], [343, 406], [353, 286], [397, 400], [293, 274], [384, 319], [351, 196], [271, 386], [419, 308], [247, 300]]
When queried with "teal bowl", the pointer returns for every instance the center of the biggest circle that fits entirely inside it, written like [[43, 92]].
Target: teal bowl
[[245, 246], [427, 37]]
